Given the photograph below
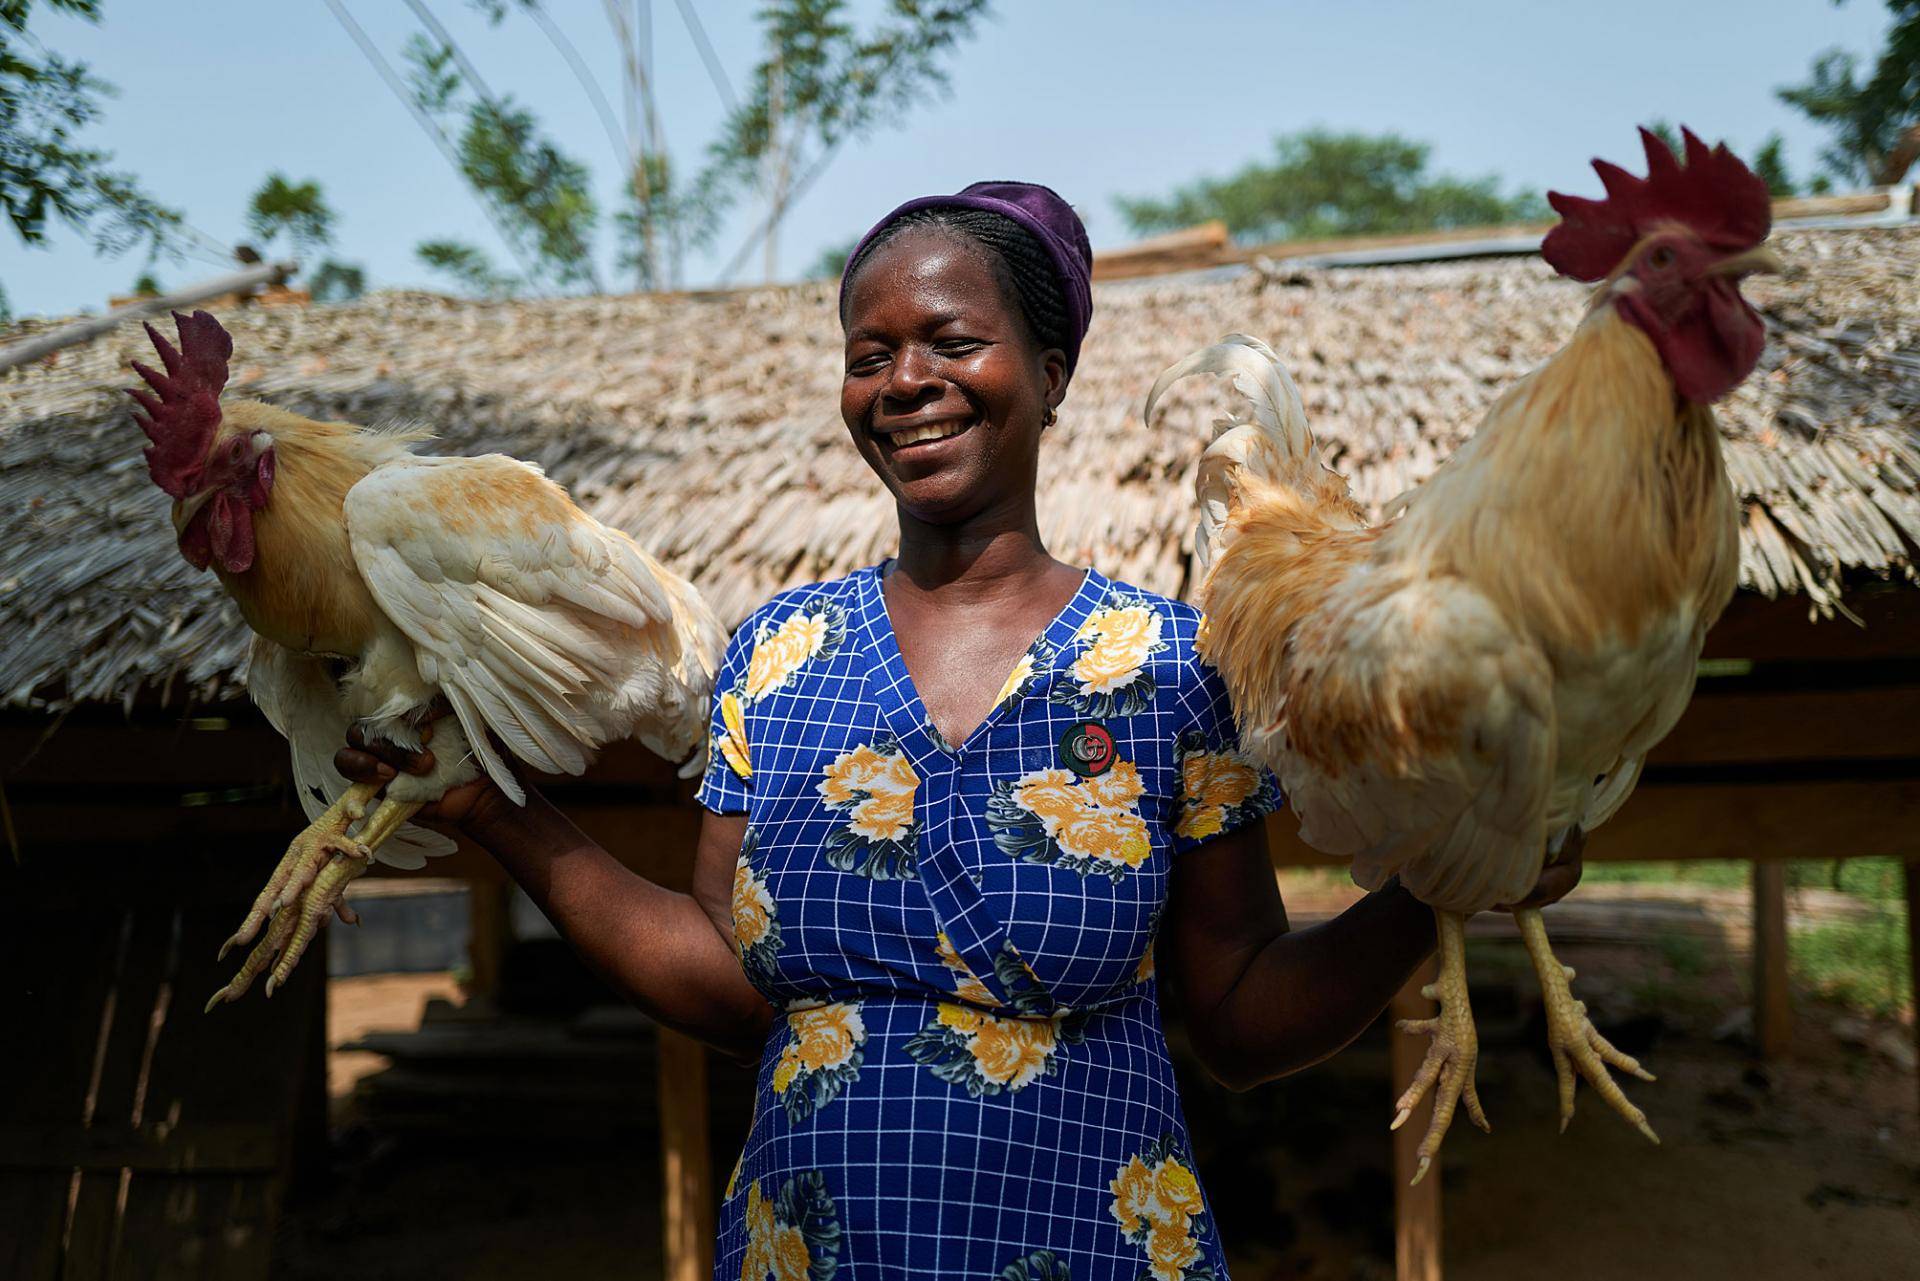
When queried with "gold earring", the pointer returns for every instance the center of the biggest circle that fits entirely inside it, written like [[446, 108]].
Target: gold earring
[[1050, 418]]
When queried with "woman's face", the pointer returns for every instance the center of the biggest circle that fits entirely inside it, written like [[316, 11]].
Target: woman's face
[[945, 386]]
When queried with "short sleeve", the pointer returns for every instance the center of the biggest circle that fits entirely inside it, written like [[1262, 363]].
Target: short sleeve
[[727, 786], [1218, 787]]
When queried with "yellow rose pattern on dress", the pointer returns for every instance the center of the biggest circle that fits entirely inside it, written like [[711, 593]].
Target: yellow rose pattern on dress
[[824, 1050], [873, 786], [1109, 674], [986, 1053], [1054, 817], [756, 919], [1218, 790], [966, 984], [1034, 664], [813, 630], [795, 1236], [731, 746], [1156, 1199]]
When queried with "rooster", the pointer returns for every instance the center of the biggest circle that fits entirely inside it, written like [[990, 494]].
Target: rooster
[[386, 588], [1446, 697]]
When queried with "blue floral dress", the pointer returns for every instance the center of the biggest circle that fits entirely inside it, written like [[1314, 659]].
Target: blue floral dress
[[969, 1079]]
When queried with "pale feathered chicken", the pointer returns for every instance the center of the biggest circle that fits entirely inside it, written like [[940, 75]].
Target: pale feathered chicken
[[1445, 697], [379, 582]]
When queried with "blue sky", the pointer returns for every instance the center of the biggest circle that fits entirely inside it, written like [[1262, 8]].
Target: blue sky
[[1093, 97]]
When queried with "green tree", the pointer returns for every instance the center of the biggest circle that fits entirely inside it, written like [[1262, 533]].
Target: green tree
[[1321, 183], [467, 265], [297, 209], [831, 261], [46, 172], [1873, 117], [300, 212]]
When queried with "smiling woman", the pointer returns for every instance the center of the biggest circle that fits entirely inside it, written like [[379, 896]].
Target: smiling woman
[[954, 800]]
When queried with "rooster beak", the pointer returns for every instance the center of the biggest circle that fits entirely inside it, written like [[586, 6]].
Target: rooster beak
[[1749, 263]]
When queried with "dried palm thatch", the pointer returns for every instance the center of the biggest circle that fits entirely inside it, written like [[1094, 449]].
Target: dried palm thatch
[[708, 428]]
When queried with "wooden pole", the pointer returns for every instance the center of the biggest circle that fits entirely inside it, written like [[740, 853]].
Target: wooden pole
[[1416, 1210], [20, 353], [686, 1164], [489, 935], [1772, 1007]]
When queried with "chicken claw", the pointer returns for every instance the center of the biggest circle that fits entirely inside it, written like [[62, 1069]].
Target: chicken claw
[[1571, 1035], [1456, 1048], [305, 856], [308, 885]]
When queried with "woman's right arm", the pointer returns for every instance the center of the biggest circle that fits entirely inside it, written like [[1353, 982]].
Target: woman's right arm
[[669, 953]]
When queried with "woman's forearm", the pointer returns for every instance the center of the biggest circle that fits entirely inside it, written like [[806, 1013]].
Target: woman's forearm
[[656, 946], [1305, 995]]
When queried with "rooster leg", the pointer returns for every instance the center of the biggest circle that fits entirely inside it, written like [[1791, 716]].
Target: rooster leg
[[1575, 1042], [323, 896], [1455, 1049], [323, 838], [279, 929]]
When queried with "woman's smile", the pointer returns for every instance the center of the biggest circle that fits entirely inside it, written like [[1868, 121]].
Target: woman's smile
[[912, 434]]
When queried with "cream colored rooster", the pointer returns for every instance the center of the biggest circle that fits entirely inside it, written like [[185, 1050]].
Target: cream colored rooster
[[378, 583], [1445, 697]]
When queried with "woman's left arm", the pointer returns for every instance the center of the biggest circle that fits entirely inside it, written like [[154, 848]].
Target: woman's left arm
[[1261, 1000]]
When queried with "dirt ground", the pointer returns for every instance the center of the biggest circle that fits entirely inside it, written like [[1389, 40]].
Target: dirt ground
[[1810, 1167]]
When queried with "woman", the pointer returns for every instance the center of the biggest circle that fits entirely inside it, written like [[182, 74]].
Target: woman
[[953, 801]]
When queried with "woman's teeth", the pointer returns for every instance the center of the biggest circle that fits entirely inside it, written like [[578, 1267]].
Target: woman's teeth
[[934, 431]]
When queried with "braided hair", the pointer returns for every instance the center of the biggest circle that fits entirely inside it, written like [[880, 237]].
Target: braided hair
[[1021, 265]]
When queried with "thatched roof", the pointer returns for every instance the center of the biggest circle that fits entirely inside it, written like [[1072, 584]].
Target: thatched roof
[[709, 429]]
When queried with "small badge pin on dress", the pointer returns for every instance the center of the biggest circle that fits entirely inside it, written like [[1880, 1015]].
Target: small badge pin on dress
[[1087, 749]]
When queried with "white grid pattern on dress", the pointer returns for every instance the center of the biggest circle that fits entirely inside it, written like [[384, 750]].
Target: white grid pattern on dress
[[928, 1178]]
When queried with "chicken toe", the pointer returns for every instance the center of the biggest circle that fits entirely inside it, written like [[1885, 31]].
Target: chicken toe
[[305, 856], [1448, 1067], [1571, 1035]]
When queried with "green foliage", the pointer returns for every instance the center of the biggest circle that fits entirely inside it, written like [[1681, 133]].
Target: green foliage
[[542, 196], [662, 221], [1321, 183], [1860, 964], [466, 265], [146, 286], [1872, 117], [334, 281], [45, 172], [298, 209], [834, 83], [832, 260]]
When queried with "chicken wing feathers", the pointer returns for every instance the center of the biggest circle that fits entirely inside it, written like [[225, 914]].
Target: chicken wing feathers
[[298, 696], [539, 623]]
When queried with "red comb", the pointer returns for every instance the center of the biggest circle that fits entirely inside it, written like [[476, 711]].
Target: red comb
[[182, 412], [1714, 195]]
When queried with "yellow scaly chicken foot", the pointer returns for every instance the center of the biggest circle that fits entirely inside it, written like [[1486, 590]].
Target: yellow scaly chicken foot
[[294, 922], [1456, 1047], [324, 894], [1571, 1036], [305, 856]]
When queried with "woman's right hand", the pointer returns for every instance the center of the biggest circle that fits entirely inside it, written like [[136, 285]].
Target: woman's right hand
[[380, 761]]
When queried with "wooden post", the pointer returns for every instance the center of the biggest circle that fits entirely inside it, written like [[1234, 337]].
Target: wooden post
[[1913, 936], [489, 935], [686, 1164], [1416, 1210], [1772, 1008]]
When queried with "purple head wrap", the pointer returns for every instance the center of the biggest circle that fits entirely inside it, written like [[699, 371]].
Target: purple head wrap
[[1040, 212]]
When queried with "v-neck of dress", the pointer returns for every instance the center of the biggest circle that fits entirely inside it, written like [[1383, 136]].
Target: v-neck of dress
[[892, 683]]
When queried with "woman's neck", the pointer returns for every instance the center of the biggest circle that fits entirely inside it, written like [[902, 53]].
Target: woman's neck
[[996, 553]]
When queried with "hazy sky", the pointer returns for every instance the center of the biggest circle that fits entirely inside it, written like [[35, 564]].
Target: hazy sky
[[1092, 98]]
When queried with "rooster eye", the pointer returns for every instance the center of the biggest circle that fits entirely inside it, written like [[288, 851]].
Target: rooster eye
[[1661, 258]]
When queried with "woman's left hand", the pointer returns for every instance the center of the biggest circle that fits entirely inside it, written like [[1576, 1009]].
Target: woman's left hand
[[1557, 878]]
